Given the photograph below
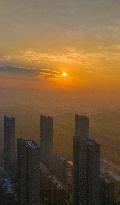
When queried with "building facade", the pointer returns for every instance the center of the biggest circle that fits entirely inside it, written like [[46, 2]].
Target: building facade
[[28, 169], [86, 165], [46, 136], [9, 143]]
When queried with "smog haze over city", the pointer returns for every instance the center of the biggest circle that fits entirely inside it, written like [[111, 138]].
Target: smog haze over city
[[59, 57], [59, 102]]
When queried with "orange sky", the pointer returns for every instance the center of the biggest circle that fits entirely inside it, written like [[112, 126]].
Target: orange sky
[[42, 39]]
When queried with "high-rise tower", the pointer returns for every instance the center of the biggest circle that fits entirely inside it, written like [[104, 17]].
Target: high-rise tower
[[46, 136], [86, 165], [28, 169], [9, 143]]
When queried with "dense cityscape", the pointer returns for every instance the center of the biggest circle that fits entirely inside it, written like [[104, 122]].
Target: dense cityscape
[[33, 174]]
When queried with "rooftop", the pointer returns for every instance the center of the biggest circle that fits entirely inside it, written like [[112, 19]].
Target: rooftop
[[32, 143]]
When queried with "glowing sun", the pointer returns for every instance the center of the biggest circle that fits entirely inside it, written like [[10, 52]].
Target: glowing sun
[[64, 74]]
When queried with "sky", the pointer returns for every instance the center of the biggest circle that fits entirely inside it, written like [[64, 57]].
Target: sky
[[59, 56], [41, 39]]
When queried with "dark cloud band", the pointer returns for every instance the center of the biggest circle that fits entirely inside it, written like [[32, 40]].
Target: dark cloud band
[[29, 72]]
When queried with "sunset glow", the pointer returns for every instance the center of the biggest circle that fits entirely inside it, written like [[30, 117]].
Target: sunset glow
[[71, 49], [64, 74]]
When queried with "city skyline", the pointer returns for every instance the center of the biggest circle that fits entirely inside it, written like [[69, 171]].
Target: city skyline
[[38, 177], [59, 102]]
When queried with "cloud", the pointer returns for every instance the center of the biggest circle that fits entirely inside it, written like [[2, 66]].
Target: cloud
[[23, 71], [105, 59], [70, 56]]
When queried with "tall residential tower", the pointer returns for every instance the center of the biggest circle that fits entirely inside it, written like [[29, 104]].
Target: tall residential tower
[[86, 165], [28, 169], [46, 136], [9, 143]]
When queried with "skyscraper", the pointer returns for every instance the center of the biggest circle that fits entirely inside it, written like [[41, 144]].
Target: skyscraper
[[9, 143], [86, 165], [28, 169], [46, 136]]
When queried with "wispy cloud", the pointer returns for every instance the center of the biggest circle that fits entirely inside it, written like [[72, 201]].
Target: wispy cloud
[[28, 71], [69, 56], [103, 59]]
